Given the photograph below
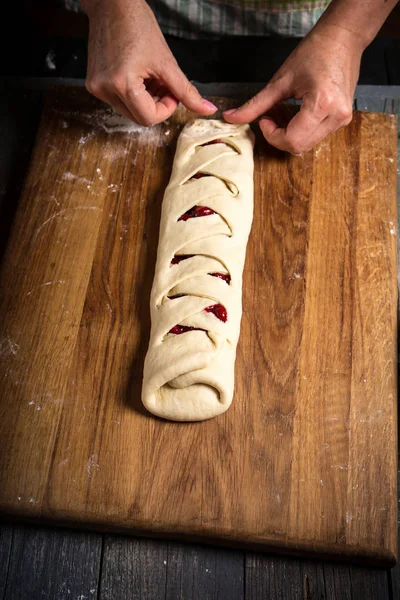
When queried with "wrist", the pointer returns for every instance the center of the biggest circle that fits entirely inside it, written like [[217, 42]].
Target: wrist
[[94, 7], [341, 36], [355, 23]]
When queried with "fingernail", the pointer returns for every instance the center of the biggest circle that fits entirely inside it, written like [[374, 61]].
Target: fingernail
[[209, 105], [230, 111]]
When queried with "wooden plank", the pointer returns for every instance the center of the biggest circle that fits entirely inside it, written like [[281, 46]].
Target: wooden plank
[[278, 578], [275, 578], [337, 582], [369, 583], [366, 464], [328, 306], [199, 572], [6, 533], [391, 106], [313, 579], [347, 582], [47, 563], [133, 569], [294, 463], [152, 570]]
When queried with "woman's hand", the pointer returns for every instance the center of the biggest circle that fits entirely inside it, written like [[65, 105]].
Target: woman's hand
[[322, 72], [130, 65]]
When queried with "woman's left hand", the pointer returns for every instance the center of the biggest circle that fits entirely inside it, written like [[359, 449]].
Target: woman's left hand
[[322, 72]]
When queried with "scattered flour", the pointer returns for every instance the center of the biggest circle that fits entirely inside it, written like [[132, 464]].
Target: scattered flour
[[71, 177], [93, 464], [113, 122], [110, 121], [8, 346], [59, 282]]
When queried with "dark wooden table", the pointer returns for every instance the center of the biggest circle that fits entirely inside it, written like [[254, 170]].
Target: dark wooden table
[[42, 562]]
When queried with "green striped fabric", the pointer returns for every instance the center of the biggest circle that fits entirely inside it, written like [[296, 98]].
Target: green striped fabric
[[195, 19], [275, 5]]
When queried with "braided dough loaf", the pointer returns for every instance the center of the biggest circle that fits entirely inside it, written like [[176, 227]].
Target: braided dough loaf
[[196, 299]]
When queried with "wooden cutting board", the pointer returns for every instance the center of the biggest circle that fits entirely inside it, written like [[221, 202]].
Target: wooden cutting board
[[305, 459]]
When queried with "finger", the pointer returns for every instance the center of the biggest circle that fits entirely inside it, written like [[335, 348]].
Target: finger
[[154, 86], [297, 135], [170, 103], [120, 107], [282, 113], [283, 140], [159, 91], [259, 104], [179, 85], [147, 112]]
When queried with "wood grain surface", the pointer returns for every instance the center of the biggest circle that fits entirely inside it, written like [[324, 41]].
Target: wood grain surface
[[305, 459], [47, 562]]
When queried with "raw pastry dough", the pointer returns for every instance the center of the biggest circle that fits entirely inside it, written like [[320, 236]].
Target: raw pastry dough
[[196, 299]]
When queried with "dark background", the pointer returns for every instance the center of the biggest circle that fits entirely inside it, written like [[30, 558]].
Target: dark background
[[37, 31]]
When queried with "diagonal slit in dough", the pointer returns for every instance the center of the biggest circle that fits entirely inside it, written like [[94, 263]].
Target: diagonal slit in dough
[[203, 217], [185, 276], [227, 141], [232, 187], [215, 258], [197, 295]]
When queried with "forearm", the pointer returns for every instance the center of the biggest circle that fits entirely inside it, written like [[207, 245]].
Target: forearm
[[359, 20], [92, 6]]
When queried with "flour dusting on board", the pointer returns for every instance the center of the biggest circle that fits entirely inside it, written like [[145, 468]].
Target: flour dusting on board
[[93, 464], [8, 346], [113, 122], [108, 120]]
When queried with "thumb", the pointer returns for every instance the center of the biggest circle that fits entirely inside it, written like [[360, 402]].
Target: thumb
[[258, 104], [179, 85]]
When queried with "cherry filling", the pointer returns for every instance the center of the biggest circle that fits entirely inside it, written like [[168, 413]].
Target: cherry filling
[[199, 175], [218, 310], [225, 276], [178, 329], [179, 257], [196, 211]]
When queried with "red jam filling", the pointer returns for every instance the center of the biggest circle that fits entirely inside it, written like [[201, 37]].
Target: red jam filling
[[225, 276], [218, 310], [196, 211], [199, 175], [178, 329], [180, 257]]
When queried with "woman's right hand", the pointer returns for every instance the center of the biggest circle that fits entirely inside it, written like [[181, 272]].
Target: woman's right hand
[[130, 65]]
